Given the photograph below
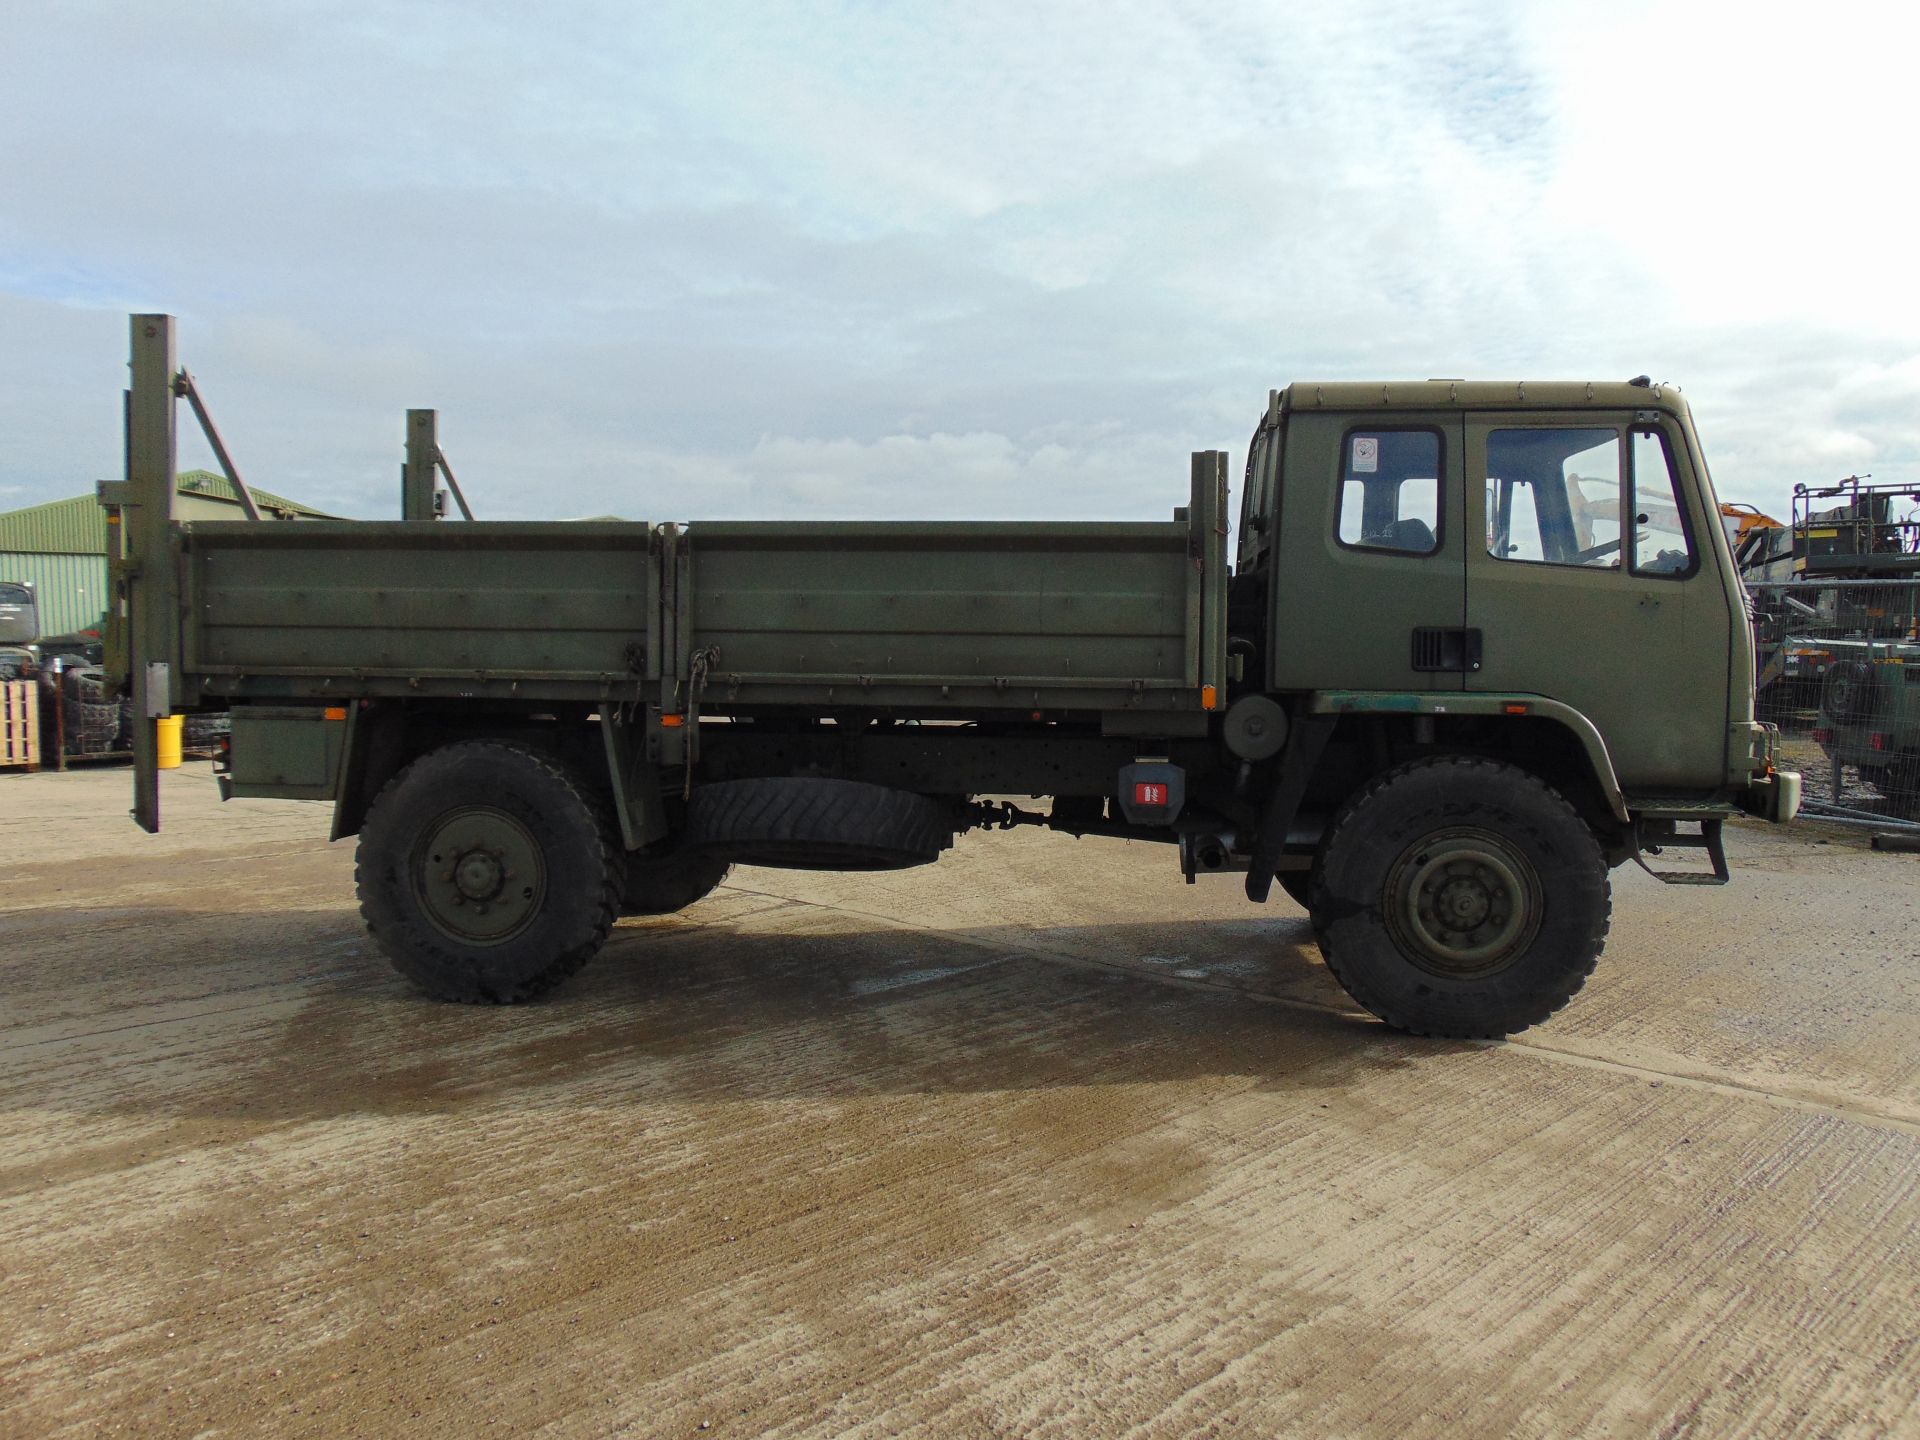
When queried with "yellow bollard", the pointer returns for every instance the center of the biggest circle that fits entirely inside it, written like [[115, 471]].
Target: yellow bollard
[[169, 731]]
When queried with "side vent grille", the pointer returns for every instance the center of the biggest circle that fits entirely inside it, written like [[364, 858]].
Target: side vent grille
[[1436, 648]]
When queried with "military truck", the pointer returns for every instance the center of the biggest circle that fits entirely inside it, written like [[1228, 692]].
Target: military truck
[[1478, 644]]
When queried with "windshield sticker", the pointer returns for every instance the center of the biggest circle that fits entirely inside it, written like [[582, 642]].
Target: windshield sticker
[[1366, 454]]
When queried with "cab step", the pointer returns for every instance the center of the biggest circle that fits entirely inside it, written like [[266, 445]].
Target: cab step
[[1658, 830]]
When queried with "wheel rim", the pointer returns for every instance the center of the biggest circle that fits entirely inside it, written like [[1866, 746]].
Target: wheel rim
[[479, 875], [1463, 903]]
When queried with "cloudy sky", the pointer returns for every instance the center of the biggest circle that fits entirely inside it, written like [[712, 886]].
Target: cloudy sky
[[826, 259]]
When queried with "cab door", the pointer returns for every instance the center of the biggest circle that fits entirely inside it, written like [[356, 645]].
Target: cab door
[[1590, 583], [1369, 589]]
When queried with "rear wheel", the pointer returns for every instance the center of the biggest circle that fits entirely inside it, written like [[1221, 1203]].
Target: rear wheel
[[1461, 897], [486, 874]]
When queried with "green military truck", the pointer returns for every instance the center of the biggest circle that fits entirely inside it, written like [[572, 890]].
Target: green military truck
[[1870, 720], [1479, 644]]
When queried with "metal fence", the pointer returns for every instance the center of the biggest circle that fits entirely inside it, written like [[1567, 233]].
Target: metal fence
[[1839, 673]]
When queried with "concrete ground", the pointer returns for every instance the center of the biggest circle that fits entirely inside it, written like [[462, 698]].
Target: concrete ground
[[1036, 1142]]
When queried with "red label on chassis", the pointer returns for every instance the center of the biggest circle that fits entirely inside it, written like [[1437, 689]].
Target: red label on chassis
[[1149, 794]]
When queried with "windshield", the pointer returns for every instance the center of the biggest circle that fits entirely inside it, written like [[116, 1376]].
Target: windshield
[[19, 624]]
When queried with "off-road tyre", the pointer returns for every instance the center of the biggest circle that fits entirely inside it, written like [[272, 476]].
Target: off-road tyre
[[487, 872], [93, 726], [807, 823], [200, 732], [1450, 842], [86, 684], [1846, 695], [1298, 885], [662, 880]]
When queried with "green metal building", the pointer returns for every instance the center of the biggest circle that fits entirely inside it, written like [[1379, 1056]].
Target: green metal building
[[60, 548]]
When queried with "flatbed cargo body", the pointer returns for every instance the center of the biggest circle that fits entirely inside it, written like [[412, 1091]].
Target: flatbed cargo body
[[932, 619], [340, 608]]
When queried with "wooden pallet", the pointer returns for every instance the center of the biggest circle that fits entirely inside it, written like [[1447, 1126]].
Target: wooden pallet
[[19, 724]]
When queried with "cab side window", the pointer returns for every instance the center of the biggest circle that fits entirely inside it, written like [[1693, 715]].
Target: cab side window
[[1661, 543], [1553, 496], [1558, 496], [1257, 498], [1390, 491]]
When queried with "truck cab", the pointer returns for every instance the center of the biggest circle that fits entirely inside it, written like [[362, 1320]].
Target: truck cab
[[1542, 552]]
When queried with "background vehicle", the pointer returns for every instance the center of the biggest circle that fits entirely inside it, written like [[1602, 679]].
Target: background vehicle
[[1846, 573], [19, 629], [1481, 643], [77, 712], [1870, 722]]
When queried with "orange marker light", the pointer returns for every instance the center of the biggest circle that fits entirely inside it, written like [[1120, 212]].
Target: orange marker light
[[1209, 698], [672, 722], [334, 712], [1514, 708]]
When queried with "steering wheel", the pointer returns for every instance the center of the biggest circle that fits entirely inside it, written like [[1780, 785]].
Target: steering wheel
[[1593, 552]]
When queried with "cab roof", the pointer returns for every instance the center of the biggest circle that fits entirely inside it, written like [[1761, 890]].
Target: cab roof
[[1477, 395]]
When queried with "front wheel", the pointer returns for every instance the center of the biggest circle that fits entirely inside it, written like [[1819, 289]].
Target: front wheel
[[1298, 886], [669, 878], [1461, 897], [486, 874]]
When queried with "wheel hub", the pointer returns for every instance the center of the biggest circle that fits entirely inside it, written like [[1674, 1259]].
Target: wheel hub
[[478, 875], [1463, 903]]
